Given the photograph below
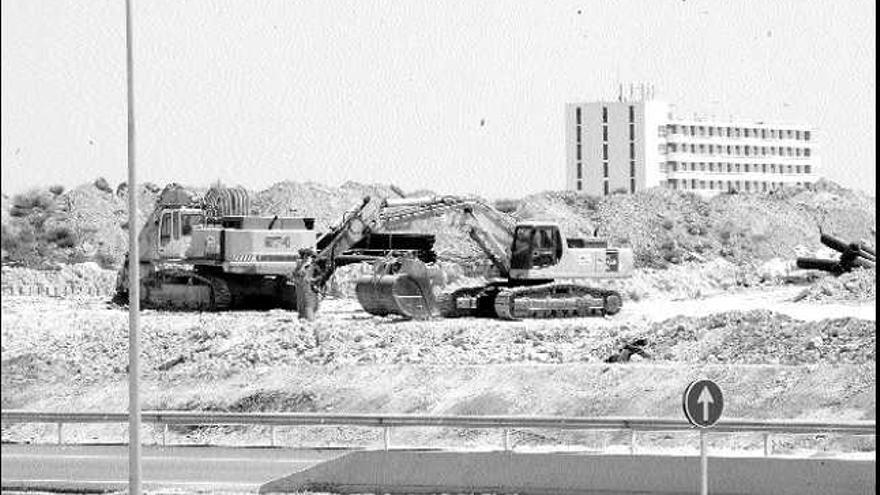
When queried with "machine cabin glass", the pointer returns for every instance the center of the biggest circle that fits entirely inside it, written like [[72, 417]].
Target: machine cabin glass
[[535, 247]]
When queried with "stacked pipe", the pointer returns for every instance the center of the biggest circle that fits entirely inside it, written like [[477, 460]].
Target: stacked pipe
[[852, 255]]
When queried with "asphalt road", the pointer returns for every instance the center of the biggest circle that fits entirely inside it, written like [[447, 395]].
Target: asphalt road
[[77, 467]]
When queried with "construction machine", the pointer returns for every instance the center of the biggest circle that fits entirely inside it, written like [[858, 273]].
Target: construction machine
[[211, 253], [532, 259]]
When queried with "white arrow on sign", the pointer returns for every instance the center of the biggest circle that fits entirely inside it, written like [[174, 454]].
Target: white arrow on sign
[[705, 398]]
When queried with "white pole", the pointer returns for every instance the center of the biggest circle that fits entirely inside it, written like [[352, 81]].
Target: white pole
[[704, 464], [134, 406]]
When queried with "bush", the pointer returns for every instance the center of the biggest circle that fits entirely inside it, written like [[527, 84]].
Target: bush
[[33, 201], [102, 185], [63, 237], [57, 189]]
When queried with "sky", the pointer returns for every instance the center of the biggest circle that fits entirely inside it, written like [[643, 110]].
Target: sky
[[454, 96]]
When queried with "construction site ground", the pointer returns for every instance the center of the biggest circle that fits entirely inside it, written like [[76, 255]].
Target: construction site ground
[[774, 358]]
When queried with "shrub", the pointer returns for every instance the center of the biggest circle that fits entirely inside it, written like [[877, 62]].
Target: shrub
[[57, 189], [63, 237], [30, 202], [102, 185]]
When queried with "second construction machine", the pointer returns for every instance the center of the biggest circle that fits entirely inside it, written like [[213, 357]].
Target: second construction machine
[[542, 272], [210, 252]]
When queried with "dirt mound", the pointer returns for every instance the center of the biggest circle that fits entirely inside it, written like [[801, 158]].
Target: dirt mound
[[858, 285], [65, 280], [761, 336], [669, 227]]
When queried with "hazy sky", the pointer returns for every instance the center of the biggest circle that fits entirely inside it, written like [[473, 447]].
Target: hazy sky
[[254, 92]]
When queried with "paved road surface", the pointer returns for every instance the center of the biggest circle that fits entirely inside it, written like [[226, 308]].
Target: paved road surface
[[221, 468]]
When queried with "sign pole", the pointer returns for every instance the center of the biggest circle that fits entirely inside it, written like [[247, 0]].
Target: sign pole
[[134, 298], [704, 464], [703, 403]]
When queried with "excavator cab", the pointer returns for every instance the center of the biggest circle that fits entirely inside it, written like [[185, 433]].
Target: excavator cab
[[535, 246], [174, 228]]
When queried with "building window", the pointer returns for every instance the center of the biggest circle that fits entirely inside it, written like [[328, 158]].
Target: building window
[[746, 149], [797, 169], [604, 133], [579, 134], [578, 151], [632, 169], [806, 135], [605, 169], [764, 168], [711, 132], [763, 133], [693, 130], [577, 115], [580, 171], [693, 148], [632, 113], [746, 168], [661, 131], [605, 114], [672, 166], [605, 151], [729, 132], [671, 147], [772, 133], [746, 132], [580, 186], [797, 135], [605, 187], [632, 132], [806, 151], [702, 131], [632, 151], [807, 169]]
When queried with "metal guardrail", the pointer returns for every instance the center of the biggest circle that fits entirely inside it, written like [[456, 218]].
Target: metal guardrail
[[388, 421]]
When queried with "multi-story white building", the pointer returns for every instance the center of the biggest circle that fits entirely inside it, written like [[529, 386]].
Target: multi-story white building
[[614, 146]]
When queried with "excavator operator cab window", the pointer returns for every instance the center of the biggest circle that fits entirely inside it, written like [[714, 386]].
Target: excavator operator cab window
[[536, 247], [165, 228], [547, 248], [188, 221], [521, 253]]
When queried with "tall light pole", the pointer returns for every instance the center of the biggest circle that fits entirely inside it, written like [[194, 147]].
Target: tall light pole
[[134, 282]]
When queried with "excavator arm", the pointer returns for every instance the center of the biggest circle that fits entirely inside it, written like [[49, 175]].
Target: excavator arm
[[486, 226]]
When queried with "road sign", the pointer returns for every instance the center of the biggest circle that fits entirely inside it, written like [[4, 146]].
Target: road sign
[[703, 403]]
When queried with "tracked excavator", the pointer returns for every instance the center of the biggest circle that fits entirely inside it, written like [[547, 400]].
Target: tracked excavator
[[210, 253], [533, 259]]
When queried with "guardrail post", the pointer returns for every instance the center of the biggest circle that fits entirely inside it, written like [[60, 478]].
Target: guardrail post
[[274, 440], [60, 438], [386, 437], [506, 439], [632, 441], [768, 447]]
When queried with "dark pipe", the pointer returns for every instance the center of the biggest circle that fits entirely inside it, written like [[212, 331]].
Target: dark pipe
[[819, 264], [834, 243]]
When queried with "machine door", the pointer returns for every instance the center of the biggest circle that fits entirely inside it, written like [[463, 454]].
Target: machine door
[[546, 247], [536, 247], [521, 252]]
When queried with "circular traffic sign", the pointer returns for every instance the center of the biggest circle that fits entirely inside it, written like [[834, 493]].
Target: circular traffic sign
[[703, 403]]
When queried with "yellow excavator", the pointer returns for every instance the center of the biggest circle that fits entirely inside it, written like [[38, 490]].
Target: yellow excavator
[[541, 272]]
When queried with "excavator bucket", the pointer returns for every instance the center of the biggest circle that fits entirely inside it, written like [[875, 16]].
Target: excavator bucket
[[408, 291]]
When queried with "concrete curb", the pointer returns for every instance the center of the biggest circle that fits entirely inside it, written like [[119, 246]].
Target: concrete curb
[[401, 471]]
